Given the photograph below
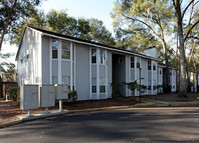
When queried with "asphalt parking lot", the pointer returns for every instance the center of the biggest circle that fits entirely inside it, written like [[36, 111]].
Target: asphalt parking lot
[[137, 125]]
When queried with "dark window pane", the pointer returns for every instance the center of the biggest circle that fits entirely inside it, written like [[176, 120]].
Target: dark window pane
[[154, 67], [94, 90], [54, 54], [149, 65], [138, 65], [65, 54], [149, 87], [102, 89], [154, 87], [93, 59], [132, 65], [93, 56]]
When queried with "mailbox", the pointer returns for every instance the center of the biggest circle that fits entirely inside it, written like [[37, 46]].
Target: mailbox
[[29, 97], [47, 96], [61, 91]]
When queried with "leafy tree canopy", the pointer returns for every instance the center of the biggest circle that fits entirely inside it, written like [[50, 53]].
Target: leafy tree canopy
[[61, 22], [12, 12], [7, 69]]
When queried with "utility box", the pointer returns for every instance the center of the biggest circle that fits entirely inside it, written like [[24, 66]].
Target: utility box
[[29, 97], [47, 96], [61, 91]]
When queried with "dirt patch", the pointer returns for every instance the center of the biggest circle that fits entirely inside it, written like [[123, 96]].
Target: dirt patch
[[173, 97], [8, 109]]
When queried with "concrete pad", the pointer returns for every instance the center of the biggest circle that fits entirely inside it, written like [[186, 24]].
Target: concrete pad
[[42, 114]]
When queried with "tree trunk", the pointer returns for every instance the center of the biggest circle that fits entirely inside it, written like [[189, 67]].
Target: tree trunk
[[182, 91], [167, 86], [179, 16]]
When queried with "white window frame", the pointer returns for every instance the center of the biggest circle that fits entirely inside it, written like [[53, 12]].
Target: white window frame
[[66, 50]]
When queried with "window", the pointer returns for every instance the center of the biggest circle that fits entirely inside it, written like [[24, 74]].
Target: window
[[65, 50], [149, 84], [154, 65], [160, 72], [54, 80], [149, 64], [94, 88], [94, 55], [138, 62], [102, 56], [55, 49], [154, 85], [66, 80], [132, 62], [102, 85]]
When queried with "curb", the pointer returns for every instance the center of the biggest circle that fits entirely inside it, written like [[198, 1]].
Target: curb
[[138, 105], [175, 103], [17, 121]]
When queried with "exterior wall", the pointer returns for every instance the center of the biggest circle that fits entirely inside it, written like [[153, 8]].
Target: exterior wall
[[29, 58], [109, 62], [173, 79], [128, 73], [46, 60], [144, 74], [160, 79], [82, 72], [153, 52], [137, 72], [154, 75]]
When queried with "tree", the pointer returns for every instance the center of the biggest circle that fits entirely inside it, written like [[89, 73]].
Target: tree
[[99, 33], [150, 15], [12, 13], [7, 69], [61, 22], [184, 31], [136, 39], [36, 19]]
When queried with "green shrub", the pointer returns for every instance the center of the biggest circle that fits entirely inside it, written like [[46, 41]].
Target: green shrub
[[132, 85], [14, 94], [72, 95], [116, 86]]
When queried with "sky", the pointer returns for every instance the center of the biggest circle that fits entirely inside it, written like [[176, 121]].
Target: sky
[[99, 9]]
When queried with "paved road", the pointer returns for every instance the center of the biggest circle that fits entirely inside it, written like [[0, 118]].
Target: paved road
[[128, 125]]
